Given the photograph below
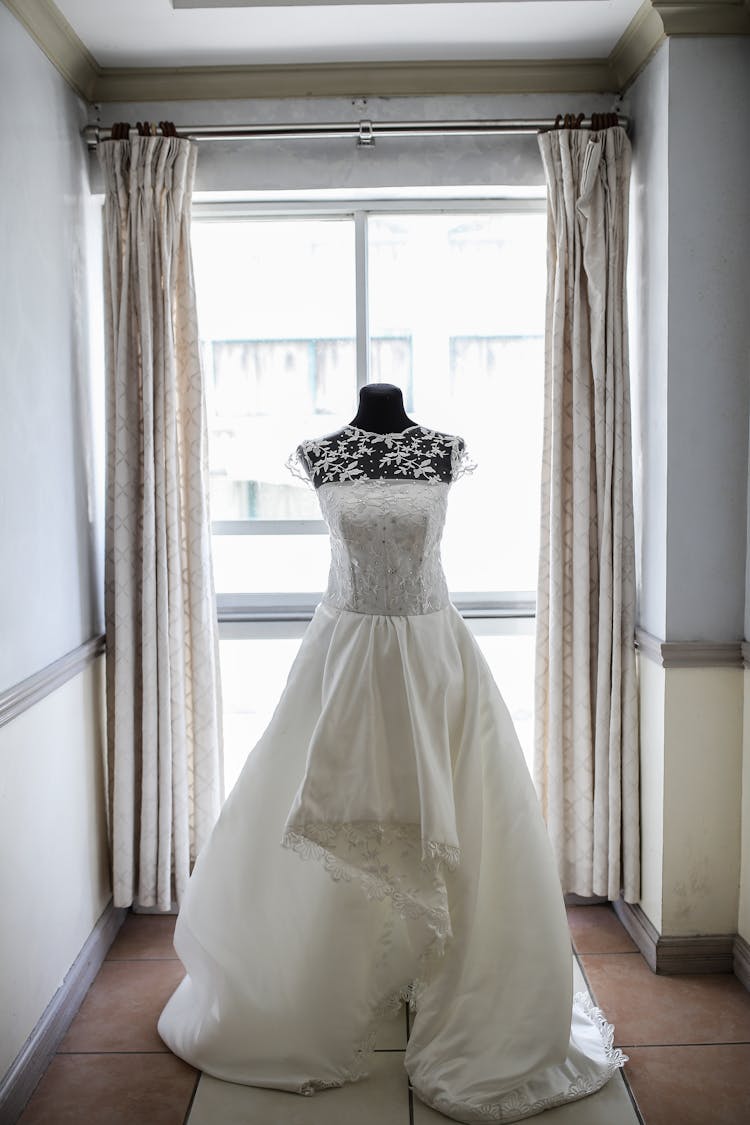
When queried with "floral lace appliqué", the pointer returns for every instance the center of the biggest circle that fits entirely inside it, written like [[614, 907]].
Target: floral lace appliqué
[[351, 454]]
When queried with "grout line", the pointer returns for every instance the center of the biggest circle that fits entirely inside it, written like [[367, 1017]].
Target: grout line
[[408, 1082], [198, 1077], [134, 960], [390, 1050], [625, 1078], [707, 1043], [609, 952], [585, 977], [136, 1051], [631, 1095], [170, 956]]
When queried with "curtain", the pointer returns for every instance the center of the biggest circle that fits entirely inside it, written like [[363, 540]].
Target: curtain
[[586, 721], [163, 693]]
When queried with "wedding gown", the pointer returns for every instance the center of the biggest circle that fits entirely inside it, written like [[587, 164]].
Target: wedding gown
[[391, 764]]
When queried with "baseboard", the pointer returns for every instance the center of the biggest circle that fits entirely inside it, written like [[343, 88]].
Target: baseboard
[[742, 961], [701, 953], [34, 1057]]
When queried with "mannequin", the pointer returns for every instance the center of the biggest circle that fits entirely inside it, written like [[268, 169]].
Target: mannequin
[[381, 410], [380, 417]]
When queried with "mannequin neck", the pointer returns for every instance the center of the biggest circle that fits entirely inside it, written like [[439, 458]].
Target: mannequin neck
[[381, 410]]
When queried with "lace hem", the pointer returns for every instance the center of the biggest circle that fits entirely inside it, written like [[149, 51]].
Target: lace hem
[[515, 1106]]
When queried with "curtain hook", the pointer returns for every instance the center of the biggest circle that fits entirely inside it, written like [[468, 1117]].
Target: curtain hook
[[366, 138]]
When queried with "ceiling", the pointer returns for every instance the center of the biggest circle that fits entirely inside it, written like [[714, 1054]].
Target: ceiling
[[123, 51], [217, 33]]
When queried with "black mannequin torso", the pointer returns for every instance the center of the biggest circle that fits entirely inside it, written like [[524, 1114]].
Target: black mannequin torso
[[371, 446], [381, 410]]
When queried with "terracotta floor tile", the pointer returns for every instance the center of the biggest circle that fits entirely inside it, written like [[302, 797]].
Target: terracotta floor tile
[[597, 929], [112, 1090], [650, 1009], [691, 1085], [120, 1010], [144, 937]]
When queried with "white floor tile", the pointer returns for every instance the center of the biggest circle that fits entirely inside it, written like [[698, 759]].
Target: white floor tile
[[609, 1106], [380, 1099]]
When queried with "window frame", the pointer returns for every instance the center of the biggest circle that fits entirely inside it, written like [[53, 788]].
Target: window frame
[[237, 608]]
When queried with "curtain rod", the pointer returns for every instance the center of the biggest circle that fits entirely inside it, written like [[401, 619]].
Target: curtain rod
[[366, 132]]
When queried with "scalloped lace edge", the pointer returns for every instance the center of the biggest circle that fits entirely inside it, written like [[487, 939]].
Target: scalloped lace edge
[[513, 1108]]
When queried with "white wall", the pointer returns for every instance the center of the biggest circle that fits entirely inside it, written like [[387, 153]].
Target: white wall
[[54, 880], [743, 925], [690, 275], [52, 826], [648, 106], [709, 337], [50, 510]]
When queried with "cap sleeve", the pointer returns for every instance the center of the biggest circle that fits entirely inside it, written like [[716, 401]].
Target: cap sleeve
[[298, 464], [461, 462]]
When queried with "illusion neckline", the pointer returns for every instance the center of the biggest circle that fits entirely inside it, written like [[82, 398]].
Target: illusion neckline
[[374, 433]]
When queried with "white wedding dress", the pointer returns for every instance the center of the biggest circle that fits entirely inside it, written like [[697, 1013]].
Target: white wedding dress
[[392, 766]]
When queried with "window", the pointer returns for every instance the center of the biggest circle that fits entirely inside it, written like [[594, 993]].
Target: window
[[297, 310]]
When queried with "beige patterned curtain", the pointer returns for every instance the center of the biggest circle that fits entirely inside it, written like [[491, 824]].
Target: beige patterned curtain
[[586, 741], [163, 698]]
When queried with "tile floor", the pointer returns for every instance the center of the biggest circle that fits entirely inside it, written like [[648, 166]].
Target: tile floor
[[688, 1039]]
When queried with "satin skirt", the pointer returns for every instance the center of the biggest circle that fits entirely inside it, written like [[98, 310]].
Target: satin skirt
[[384, 842]]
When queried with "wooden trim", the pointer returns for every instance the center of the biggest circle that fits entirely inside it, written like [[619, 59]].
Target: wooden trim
[[50, 30], [356, 79], [641, 38], [745, 648], [654, 21], [700, 953], [641, 929], [742, 960], [689, 654], [34, 1057], [704, 17], [21, 696]]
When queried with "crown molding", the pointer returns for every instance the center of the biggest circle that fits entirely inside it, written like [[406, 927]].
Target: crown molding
[[636, 45], [356, 80], [704, 17], [653, 22], [48, 28]]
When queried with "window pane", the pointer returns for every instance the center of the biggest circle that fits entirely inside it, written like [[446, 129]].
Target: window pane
[[276, 308], [269, 564], [467, 293]]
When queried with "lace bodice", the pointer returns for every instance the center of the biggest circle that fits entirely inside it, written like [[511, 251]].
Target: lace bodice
[[384, 498]]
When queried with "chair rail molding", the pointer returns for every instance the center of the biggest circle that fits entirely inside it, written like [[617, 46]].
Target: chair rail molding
[[689, 654], [654, 21], [23, 695]]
